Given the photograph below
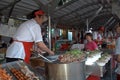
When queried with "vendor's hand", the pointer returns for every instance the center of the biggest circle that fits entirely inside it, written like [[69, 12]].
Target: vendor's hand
[[51, 53], [40, 51]]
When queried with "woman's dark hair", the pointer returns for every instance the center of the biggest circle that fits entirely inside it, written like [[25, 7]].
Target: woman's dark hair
[[32, 14], [89, 34]]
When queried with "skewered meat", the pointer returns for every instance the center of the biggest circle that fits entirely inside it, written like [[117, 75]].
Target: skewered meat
[[19, 75], [4, 75], [29, 73]]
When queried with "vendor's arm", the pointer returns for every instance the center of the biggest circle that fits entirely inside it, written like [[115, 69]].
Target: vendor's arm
[[43, 47], [117, 49]]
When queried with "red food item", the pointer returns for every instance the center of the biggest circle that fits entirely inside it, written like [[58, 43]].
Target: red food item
[[91, 77], [118, 77], [4, 75], [64, 46]]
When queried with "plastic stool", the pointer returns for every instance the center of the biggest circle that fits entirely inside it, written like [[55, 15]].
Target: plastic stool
[[91, 77], [118, 76]]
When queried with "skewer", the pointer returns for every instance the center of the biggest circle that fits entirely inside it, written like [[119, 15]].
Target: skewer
[[44, 58], [9, 66]]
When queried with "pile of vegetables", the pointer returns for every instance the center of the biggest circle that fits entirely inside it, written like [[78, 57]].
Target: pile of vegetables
[[105, 57], [92, 53], [72, 56]]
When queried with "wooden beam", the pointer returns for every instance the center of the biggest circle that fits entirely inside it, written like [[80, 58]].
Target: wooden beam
[[9, 5], [14, 3]]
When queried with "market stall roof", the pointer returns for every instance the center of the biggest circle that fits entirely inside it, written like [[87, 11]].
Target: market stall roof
[[72, 13], [76, 13]]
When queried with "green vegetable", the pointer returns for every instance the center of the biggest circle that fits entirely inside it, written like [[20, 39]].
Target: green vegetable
[[74, 52]]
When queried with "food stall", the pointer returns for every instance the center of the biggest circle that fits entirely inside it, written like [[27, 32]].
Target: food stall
[[78, 16], [74, 64], [17, 71], [67, 65], [99, 61]]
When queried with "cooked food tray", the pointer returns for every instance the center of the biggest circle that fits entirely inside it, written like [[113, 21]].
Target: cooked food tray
[[19, 70]]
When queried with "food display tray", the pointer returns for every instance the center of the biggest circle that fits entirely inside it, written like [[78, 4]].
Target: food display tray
[[17, 65]]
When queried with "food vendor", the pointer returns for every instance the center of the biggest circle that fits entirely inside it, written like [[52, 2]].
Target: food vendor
[[90, 45], [117, 51], [28, 33], [98, 35]]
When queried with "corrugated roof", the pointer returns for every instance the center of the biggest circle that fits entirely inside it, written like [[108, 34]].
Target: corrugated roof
[[73, 13]]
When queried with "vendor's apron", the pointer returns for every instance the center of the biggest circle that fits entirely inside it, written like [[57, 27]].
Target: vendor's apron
[[27, 47]]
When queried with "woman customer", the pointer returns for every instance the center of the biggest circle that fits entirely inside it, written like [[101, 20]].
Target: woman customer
[[90, 45]]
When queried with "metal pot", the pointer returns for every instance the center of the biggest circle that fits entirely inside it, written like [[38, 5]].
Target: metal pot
[[65, 71]]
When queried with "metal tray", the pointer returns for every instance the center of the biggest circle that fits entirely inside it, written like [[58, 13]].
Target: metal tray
[[16, 65]]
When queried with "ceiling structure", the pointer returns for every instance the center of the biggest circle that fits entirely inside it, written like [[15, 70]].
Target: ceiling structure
[[74, 13]]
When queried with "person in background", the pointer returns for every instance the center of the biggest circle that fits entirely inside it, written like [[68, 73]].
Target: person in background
[[98, 35], [117, 51], [28, 33], [90, 45], [117, 31]]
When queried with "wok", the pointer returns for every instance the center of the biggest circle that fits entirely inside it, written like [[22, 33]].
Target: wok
[[64, 71]]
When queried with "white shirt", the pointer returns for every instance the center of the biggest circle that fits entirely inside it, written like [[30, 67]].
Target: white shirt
[[28, 31], [97, 36], [117, 51], [117, 48]]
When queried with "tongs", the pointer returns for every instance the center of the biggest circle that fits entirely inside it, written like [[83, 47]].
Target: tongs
[[40, 55], [44, 57]]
